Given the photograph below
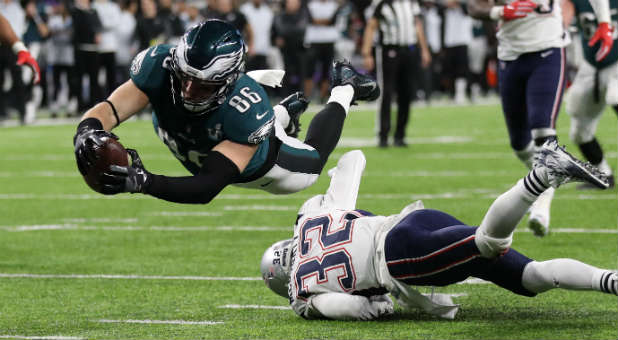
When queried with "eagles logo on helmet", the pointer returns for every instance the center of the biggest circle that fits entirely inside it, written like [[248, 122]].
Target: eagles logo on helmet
[[205, 65]]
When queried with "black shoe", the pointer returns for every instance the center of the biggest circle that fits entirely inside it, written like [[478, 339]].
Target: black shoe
[[365, 87], [400, 143], [295, 104], [383, 143], [588, 186]]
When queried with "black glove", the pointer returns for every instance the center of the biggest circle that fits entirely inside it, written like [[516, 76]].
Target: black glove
[[132, 178], [295, 104], [88, 138]]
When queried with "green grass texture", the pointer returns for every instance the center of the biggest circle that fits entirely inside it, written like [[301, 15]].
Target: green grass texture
[[159, 256]]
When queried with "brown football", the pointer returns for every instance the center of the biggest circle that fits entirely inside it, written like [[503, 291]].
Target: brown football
[[111, 153]]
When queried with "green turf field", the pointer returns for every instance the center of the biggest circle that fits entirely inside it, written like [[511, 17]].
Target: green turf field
[[74, 263]]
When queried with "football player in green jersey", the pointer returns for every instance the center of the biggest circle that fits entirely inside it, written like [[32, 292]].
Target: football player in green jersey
[[594, 86], [217, 121]]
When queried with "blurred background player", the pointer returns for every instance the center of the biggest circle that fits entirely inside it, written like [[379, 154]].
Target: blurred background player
[[342, 261], [401, 37], [217, 121], [594, 86], [532, 65], [13, 54]]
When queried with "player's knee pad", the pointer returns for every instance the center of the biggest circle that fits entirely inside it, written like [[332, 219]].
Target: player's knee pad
[[527, 154], [491, 247]]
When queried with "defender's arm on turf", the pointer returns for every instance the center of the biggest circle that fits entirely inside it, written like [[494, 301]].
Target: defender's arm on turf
[[341, 306]]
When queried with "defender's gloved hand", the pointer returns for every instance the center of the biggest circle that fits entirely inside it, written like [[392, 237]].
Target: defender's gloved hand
[[295, 104], [133, 178], [517, 9], [604, 35], [24, 57], [86, 140]]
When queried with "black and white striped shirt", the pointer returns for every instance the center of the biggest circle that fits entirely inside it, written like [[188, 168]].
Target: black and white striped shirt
[[396, 21]]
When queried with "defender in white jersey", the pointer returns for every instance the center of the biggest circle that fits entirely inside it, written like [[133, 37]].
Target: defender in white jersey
[[531, 73], [343, 261]]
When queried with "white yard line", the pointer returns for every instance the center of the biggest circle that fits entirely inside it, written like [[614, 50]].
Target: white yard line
[[127, 277], [186, 213], [232, 306], [41, 337], [483, 193], [100, 220], [36, 227], [162, 322]]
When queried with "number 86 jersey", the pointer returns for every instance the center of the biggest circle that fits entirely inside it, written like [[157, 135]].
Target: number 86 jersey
[[334, 252], [245, 117]]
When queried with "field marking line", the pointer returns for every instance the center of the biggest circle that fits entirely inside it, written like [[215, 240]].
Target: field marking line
[[42, 337], [49, 227], [185, 213], [162, 322], [127, 277], [462, 194], [234, 306]]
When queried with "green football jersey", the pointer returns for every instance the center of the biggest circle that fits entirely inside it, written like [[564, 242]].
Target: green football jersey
[[587, 23], [246, 116]]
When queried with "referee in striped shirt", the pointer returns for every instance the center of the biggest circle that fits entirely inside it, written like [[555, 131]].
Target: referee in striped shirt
[[401, 37]]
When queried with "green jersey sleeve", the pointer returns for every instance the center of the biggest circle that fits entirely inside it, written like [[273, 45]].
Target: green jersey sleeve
[[248, 116]]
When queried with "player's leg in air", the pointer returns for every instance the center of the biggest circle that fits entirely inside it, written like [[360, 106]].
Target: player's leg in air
[[429, 247], [299, 163], [586, 101], [531, 90]]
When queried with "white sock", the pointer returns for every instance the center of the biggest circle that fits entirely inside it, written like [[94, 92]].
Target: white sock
[[507, 210], [343, 96], [495, 234], [570, 274]]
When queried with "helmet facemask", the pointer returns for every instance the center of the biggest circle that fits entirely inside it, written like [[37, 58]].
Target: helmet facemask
[[203, 76]]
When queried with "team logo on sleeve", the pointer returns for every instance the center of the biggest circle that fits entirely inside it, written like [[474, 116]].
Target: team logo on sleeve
[[262, 133], [136, 65]]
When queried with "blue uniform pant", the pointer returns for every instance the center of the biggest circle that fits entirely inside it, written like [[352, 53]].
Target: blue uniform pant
[[531, 88], [431, 248]]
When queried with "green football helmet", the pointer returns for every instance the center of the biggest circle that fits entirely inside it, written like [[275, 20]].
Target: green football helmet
[[205, 65]]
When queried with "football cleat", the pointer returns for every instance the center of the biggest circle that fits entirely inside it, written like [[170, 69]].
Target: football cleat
[[295, 104], [365, 87], [560, 167], [588, 186]]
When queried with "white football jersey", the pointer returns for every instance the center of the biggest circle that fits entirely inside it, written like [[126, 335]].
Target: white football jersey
[[333, 251], [539, 30]]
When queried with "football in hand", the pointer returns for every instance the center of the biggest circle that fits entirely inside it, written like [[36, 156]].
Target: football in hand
[[111, 153]]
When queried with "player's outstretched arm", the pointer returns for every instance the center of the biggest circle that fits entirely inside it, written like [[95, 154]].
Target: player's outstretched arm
[[95, 125], [341, 306], [123, 103], [345, 181], [220, 168]]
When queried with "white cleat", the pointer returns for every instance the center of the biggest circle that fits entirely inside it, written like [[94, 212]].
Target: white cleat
[[561, 167], [538, 221]]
